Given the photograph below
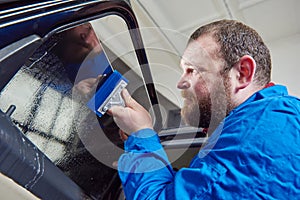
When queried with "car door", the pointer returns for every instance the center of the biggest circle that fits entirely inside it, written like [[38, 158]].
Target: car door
[[54, 57], [53, 144]]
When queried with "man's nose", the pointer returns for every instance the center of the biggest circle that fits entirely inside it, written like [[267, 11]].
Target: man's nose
[[183, 83]]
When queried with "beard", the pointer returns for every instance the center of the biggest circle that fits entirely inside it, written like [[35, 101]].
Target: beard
[[196, 112], [208, 109]]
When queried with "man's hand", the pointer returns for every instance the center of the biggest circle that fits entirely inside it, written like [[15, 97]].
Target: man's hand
[[86, 86], [85, 89], [131, 118]]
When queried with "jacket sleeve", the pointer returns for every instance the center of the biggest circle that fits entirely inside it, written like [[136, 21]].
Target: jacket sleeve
[[146, 173], [144, 168]]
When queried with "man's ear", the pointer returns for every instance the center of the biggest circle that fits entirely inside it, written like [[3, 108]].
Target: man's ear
[[245, 69]]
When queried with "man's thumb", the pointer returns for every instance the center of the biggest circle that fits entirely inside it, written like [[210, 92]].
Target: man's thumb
[[128, 100]]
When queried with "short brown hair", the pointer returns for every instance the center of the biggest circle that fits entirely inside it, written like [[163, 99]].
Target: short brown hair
[[236, 40]]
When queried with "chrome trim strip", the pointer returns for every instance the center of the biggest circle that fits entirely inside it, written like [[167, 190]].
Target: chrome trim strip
[[14, 10], [46, 13], [15, 47], [33, 9], [179, 130], [184, 143]]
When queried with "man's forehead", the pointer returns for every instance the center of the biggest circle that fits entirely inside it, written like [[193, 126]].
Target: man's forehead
[[197, 53]]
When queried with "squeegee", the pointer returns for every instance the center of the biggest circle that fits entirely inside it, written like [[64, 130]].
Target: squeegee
[[108, 93]]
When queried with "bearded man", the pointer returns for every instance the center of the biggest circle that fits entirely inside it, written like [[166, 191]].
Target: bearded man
[[254, 125]]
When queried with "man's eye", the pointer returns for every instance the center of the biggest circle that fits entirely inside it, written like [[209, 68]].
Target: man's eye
[[190, 70]]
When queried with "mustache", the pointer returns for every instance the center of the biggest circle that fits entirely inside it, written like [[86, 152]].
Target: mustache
[[186, 95]]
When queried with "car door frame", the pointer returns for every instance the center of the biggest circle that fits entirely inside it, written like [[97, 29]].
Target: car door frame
[[20, 156]]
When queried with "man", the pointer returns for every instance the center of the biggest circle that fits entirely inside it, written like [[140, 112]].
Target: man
[[253, 148]]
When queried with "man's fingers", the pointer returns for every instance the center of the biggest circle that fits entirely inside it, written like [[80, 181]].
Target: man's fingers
[[100, 76], [123, 135], [84, 89], [129, 101], [126, 97], [89, 81], [132, 117], [115, 110]]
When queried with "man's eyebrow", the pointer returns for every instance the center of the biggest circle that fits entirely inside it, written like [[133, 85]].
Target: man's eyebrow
[[187, 63]]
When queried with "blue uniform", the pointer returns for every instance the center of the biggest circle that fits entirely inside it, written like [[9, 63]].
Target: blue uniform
[[253, 154]]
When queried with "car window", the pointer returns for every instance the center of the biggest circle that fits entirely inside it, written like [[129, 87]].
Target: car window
[[49, 94]]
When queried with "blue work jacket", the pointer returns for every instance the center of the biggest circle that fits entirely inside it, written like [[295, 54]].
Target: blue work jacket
[[253, 154]]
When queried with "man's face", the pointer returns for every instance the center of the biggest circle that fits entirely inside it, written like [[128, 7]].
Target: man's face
[[206, 91], [80, 42]]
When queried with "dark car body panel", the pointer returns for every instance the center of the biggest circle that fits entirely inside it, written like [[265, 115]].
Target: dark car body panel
[[24, 27], [29, 167]]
